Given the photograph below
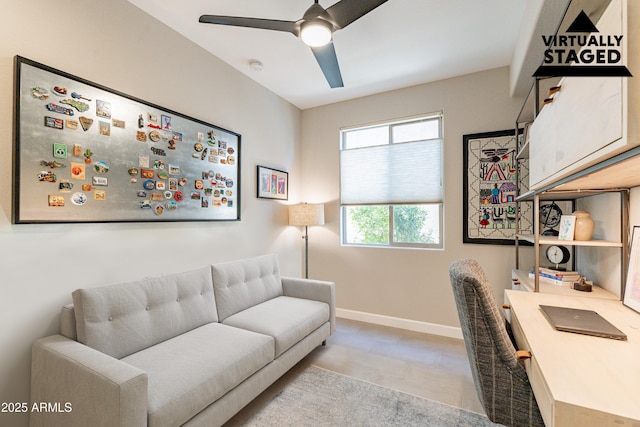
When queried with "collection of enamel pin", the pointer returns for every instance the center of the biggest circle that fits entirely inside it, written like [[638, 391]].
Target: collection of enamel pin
[[160, 186]]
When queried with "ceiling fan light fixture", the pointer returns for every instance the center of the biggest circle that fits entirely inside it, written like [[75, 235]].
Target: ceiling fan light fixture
[[316, 33], [315, 29]]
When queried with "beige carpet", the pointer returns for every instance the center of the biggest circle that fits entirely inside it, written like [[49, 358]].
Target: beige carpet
[[319, 397]]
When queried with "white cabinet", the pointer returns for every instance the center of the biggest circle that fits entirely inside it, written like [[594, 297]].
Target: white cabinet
[[585, 143], [587, 122], [560, 143]]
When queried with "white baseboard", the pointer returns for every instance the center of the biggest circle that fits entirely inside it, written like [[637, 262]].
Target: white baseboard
[[397, 322]]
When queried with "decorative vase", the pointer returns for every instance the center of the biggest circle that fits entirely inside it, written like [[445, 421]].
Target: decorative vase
[[584, 226]]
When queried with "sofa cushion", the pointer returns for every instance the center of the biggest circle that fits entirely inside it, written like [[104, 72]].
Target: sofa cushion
[[242, 284], [68, 322], [121, 319], [286, 319], [193, 370]]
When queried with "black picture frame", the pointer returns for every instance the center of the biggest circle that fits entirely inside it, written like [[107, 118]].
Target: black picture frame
[[272, 183], [84, 152], [490, 188]]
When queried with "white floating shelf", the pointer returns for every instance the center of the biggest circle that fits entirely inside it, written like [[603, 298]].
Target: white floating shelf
[[553, 240]]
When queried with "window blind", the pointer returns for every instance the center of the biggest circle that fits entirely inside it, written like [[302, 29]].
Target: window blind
[[405, 173]]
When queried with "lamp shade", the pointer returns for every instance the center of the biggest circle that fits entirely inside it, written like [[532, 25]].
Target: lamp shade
[[305, 214]]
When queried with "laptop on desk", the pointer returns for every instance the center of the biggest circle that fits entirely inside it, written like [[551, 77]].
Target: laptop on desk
[[579, 321]]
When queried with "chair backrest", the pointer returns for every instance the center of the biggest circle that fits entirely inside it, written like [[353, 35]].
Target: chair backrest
[[499, 377]]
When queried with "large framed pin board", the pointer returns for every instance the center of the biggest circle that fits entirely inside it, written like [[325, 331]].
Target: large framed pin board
[[87, 153]]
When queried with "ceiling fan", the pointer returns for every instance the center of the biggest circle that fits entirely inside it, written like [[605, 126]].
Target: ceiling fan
[[316, 29]]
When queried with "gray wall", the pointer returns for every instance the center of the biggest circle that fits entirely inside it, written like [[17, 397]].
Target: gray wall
[[401, 283], [115, 44]]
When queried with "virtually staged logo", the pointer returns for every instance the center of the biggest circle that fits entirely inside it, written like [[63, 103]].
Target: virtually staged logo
[[581, 53]]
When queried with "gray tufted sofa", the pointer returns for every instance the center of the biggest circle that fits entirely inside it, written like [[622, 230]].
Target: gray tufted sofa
[[189, 348]]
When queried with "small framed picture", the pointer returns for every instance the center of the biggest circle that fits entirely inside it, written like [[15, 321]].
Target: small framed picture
[[567, 227], [632, 286], [272, 183]]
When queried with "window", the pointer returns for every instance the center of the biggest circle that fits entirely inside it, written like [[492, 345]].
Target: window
[[391, 191]]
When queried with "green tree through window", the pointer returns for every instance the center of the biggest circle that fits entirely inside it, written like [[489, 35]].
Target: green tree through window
[[408, 225], [371, 224], [412, 224]]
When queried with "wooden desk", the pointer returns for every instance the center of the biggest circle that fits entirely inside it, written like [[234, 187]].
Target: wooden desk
[[579, 380]]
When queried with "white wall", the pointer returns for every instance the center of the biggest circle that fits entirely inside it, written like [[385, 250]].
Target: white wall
[[402, 283], [602, 265], [115, 44]]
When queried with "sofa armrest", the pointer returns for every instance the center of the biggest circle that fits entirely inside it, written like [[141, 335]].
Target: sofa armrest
[[317, 290], [76, 385]]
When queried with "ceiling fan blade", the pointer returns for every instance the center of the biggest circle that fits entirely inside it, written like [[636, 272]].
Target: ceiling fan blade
[[265, 24], [345, 12], [328, 61]]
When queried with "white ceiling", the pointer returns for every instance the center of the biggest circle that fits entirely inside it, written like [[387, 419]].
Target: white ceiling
[[399, 44]]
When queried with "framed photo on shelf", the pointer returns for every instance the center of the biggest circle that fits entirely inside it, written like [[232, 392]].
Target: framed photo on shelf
[[632, 287], [567, 227], [490, 188], [272, 183]]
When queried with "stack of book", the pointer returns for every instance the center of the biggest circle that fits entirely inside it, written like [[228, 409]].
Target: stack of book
[[557, 276]]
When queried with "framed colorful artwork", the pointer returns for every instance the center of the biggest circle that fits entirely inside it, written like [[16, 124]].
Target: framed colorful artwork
[[87, 153], [272, 183], [490, 188], [632, 286]]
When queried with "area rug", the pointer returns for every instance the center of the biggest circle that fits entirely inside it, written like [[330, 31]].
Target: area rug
[[318, 397]]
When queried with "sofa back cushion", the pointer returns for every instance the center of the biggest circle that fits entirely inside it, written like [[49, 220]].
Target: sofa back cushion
[[122, 319], [239, 285], [68, 322]]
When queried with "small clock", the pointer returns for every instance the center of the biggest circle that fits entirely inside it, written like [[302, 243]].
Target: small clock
[[557, 254]]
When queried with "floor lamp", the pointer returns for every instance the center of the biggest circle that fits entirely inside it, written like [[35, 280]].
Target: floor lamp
[[304, 215]]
